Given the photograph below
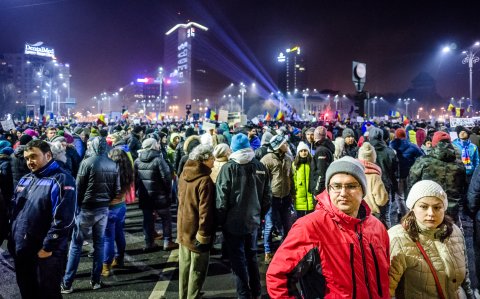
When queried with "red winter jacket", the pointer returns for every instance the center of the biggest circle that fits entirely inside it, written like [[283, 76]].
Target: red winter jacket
[[332, 255]]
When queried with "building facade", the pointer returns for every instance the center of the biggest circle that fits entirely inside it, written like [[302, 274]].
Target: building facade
[[41, 82], [291, 71]]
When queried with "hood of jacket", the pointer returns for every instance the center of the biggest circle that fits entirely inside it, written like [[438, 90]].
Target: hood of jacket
[[342, 219], [148, 155], [371, 168], [444, 151], [194, 170], [98, 146], [243, 156], [400, 144], [378, 144], [18, 153], [190, 143]]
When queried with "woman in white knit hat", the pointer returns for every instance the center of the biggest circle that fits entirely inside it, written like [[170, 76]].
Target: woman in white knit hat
[[427, 250]]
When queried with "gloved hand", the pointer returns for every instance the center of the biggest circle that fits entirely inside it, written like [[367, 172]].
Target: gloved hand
[[202, 247]]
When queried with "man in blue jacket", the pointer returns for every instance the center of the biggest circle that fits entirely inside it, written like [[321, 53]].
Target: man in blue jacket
[[43, 210]]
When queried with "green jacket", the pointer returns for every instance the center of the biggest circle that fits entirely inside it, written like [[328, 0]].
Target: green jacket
[[303, 199]]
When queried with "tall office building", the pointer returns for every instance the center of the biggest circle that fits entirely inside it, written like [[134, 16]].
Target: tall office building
[[291, 71], [41, 82], [188, 68]]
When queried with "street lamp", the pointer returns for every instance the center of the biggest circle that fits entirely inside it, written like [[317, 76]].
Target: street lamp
[[374, 102], [242, 90], [305, 95], [336, 99], [471, 59], [406, 102]]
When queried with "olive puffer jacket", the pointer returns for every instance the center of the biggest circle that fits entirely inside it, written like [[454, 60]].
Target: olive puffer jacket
[[153, 180], [448, 258]]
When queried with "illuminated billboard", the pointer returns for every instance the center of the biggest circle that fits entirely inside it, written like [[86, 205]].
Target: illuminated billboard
[[38, 50]]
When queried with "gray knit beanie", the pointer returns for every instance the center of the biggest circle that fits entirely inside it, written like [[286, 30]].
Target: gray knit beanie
[[349, 166], [347, 132]]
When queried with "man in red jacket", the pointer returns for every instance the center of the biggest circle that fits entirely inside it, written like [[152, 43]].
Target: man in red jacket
[[338, 251]]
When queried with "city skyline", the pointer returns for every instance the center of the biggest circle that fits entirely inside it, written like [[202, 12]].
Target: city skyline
[[110, 43]]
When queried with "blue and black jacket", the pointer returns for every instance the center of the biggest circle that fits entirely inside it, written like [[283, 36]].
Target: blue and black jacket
[[43, 211]]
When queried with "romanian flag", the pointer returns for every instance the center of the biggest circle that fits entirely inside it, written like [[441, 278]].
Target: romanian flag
[[267, 116], [450, 107], [213, 115], [458, 112], [337, 116], [101, 119], [405, 119], [125, 114], [279, 116]]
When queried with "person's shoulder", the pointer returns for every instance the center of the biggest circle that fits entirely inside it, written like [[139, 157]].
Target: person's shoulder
[[397, 231]]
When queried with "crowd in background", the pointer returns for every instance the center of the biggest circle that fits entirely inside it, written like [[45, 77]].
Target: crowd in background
[[328, 191]]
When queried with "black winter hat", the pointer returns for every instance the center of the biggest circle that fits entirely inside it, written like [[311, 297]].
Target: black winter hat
[[459, 129]]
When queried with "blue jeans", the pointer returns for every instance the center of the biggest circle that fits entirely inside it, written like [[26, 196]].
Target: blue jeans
[[114, 233], [280, 215], [149, 225], [96, 221], [242, 250]]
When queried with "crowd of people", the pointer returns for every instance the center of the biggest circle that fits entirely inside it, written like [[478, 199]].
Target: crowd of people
[[327, 191]]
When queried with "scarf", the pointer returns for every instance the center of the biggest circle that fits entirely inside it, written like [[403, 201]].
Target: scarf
[[466, 156]]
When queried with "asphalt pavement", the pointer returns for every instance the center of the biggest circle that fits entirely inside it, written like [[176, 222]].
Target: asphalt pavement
[[145, 275], [155, 274]]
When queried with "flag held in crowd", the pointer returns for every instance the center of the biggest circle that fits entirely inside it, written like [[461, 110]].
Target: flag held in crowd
[[267, 116]]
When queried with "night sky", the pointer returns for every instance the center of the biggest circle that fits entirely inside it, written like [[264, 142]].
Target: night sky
[[109, 43]]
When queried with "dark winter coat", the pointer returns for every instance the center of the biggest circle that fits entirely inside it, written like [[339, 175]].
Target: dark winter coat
[[407, 153], [134, 144], [98, 180], [320, 162], [243, 194], [153, 180], [3, 219], [43, 211], [388, 162], [79, 145], [73, 159], [6, 178], [18, 164], [190, 143]]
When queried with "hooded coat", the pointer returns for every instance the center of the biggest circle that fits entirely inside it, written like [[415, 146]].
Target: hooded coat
[[442, 167], [407, 153], [153, 180], [320, 162], [196, 206], [98, 181], [243, 193]]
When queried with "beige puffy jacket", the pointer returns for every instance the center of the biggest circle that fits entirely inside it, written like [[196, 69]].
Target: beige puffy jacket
[[448, 258]]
